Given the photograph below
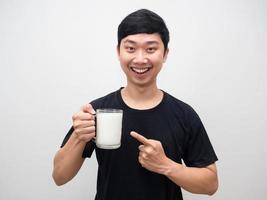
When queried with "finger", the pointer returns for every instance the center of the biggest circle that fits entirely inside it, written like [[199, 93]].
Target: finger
[[83, 124], [148, 149], [84, 131], [88, 108], [86, 116], [143, 155], [82, 116], [140, 138], [141, 147], [141, 161]]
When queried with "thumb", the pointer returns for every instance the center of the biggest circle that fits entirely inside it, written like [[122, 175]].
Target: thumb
[[88, 108]]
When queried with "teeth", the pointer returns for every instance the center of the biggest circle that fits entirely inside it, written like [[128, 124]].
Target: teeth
[[140, 70]]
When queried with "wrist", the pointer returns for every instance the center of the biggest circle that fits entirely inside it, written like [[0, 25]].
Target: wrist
[[172, 168], [76, 139]]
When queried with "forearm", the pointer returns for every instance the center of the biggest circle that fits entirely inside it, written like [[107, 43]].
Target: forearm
[[68, 160], [195, 180]]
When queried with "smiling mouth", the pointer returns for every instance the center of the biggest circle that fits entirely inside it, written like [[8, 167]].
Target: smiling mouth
[[140, 70]]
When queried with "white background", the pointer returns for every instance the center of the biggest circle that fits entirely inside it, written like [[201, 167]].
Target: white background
[[57, 55]]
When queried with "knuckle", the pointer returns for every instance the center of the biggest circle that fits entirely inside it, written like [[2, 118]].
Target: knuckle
[[83, 107], [74, 117], [92, 117], [75, 124], [93, 128], [141, 161], [144, 155], [93, 122], [78, 131], [149, 150], [92, 134], [154, 145]]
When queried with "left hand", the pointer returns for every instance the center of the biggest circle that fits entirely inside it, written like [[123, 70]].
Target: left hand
[[151, 154]]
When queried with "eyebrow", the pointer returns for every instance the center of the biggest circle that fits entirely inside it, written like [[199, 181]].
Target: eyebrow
[[133, 42]]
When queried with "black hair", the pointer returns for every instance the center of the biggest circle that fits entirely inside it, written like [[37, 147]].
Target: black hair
[[143, 21]]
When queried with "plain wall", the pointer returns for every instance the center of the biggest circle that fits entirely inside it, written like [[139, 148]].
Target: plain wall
[[57, 55]]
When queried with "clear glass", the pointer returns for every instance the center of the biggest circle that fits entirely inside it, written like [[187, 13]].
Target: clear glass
[[108, 128]]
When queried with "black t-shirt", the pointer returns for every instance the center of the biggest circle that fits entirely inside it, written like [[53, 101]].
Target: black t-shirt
[[172, 122]]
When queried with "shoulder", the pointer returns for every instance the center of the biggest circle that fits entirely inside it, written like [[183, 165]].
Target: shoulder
[[109, 100], [180, 108], [177, 103]]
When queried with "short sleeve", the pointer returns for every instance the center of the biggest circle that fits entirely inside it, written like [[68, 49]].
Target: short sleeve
[[67, 137], [198, 149], [88, 149]]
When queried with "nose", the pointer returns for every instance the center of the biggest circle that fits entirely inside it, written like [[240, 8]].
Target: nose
[[140, 57]]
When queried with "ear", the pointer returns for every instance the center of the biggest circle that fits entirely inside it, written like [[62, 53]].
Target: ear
[[118, 52], [165, 55]]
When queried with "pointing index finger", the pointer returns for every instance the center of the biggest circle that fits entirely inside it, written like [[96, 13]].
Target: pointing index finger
[[140, 138]]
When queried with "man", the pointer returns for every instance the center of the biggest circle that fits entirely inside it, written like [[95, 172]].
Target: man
[[159, 131]]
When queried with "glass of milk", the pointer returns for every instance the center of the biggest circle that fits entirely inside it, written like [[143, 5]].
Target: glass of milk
[[108, 128]]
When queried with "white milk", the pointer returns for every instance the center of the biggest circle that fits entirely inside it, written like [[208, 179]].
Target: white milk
[[108, 129]]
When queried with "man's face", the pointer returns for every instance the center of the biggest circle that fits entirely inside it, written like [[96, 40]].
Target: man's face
[[141, 57]]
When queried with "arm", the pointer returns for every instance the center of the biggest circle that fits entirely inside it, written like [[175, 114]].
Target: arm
[[68, 160], [196, 180]]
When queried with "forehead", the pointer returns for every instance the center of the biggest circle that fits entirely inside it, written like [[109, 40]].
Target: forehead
[[143, 38]]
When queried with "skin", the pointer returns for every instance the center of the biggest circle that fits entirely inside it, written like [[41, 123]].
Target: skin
[[137, 52]]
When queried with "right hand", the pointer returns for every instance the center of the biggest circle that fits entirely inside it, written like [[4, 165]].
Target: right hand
[[84, 123]]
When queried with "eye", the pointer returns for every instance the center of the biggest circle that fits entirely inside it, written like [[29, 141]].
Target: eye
[[130, 49], [151, 49]]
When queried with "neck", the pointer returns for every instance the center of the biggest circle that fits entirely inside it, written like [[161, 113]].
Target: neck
[[141, 93], [141, 97]]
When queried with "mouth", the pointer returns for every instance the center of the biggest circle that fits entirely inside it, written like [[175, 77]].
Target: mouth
[[140, 70]]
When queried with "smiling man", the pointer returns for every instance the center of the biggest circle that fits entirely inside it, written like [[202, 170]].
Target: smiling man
[[141, 57], [158, 130]]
